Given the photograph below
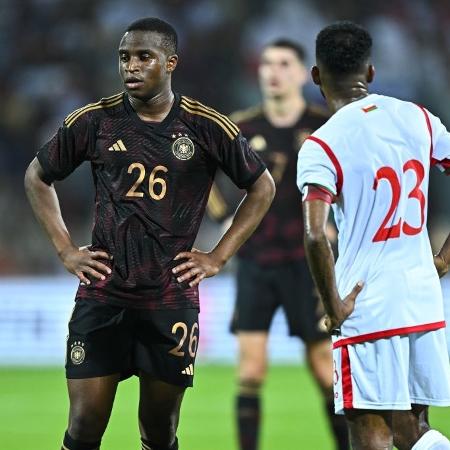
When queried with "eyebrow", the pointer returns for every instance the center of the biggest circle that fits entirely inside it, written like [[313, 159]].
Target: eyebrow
[[124, 49]]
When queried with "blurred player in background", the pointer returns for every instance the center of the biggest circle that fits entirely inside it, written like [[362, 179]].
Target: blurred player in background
[[372, 161], [272, 271], [154, 154]]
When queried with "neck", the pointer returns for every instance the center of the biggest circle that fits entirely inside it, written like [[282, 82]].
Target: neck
[[342, 94], [156, 108], [284, 111]]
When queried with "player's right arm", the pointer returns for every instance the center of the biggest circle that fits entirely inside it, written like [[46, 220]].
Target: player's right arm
[[44, 201], [58, 158]]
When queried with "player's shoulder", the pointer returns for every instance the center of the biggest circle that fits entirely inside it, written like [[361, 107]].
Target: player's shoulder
[[209, 116], [248, 115], [86, 113], [317, 112]]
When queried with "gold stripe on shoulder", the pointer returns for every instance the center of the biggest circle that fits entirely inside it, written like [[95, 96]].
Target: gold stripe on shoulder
[[91, 108], [196, 103], [104, 101], [203, 113], [246, 114]]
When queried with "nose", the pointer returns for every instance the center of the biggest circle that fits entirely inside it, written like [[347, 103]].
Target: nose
[[132, 65]]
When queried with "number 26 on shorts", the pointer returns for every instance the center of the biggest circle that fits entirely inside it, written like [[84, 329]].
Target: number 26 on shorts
[[193, 339], [388, 173]]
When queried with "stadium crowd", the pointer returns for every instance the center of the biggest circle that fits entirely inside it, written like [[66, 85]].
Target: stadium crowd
[[57, 57]]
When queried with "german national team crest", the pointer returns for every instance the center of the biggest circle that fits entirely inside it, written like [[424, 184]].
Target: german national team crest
[[77, 353], [183, 148]]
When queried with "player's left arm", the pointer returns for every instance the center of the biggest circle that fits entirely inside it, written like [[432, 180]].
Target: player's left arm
[[440, 157], [442, 258], [200, 265]]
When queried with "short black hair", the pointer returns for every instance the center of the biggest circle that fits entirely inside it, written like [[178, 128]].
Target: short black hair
[[343, 47], [288, 43], [169, 35]]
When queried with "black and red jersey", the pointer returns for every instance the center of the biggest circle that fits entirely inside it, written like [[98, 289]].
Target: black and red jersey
[[152, 183], [279, 237]]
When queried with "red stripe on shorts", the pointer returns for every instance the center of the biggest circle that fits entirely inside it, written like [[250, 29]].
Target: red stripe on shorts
[[347, 390]]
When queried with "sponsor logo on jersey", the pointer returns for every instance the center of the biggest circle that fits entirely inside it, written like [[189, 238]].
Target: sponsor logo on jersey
[[118, 146], [369, 108], [77, 352], [183, 148]]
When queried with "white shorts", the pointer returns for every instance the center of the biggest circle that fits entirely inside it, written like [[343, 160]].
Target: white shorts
[[393, 373]]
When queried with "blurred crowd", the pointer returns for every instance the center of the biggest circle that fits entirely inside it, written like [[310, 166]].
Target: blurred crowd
[[61, 54]]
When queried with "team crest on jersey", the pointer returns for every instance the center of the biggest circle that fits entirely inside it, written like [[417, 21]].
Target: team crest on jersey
[[77, 352], [183, 148], [301, 135]]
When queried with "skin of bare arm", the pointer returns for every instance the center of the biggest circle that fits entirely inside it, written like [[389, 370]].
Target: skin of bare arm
[[200, 265], [43, 199], [442, 259], [321, 263]]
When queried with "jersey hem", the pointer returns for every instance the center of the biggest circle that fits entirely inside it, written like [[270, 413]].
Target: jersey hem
[[389, 333], [147, 306]]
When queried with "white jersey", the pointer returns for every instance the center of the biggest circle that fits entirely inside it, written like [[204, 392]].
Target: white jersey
[[374, 155]]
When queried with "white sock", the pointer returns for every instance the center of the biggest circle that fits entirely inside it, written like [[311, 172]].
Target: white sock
[[432, 440]]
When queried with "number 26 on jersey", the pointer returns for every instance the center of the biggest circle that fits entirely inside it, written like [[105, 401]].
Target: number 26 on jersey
[[388, 173]]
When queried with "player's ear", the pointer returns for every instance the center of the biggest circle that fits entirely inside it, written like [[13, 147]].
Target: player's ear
[[370, 75], [171, 63], [315, 75]]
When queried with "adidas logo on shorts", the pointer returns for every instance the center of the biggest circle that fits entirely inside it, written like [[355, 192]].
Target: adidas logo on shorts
[[189, 370]]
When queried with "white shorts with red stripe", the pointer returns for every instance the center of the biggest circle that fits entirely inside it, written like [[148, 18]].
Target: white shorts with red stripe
[[392, 373]]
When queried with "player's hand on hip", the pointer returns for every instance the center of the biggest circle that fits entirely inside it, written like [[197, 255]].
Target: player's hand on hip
[[199, 265], [345, 308], [441, 265], [84, 263]]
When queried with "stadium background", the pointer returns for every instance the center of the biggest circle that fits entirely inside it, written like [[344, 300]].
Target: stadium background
[[59, 55]]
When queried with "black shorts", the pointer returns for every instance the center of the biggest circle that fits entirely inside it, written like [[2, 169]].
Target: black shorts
[[262, 289], [105, 339]]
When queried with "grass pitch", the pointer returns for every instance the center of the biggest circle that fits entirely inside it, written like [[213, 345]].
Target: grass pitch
[[33, 412]]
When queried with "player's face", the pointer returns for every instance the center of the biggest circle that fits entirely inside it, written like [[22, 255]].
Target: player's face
[[144, 66], [281, 73]]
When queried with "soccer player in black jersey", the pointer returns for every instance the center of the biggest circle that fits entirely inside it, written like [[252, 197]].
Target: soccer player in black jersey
[[272, 270], [153, 155]]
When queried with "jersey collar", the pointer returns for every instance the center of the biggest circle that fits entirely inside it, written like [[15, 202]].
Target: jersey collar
[[158, 126]]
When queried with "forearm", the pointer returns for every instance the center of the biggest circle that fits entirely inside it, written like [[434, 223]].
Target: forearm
[[45, 204], [444, 252], [321, 262], [247, 217]]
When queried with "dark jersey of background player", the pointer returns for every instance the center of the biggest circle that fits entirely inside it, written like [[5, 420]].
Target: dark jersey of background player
[[152, 183], [277, 239], [272, 270]]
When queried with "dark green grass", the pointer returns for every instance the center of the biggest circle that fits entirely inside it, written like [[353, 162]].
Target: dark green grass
[[33, 412]]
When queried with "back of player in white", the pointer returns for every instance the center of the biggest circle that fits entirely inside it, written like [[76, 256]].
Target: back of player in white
[[374, 155]]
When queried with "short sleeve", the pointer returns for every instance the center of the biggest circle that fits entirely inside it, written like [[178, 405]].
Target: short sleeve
[[65, 151], [440, 151], [239, 162], [317, 166]]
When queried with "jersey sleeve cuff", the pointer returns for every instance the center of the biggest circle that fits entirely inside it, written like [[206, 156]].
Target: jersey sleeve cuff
[[317, 192], [253, 178], [48, 177]]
